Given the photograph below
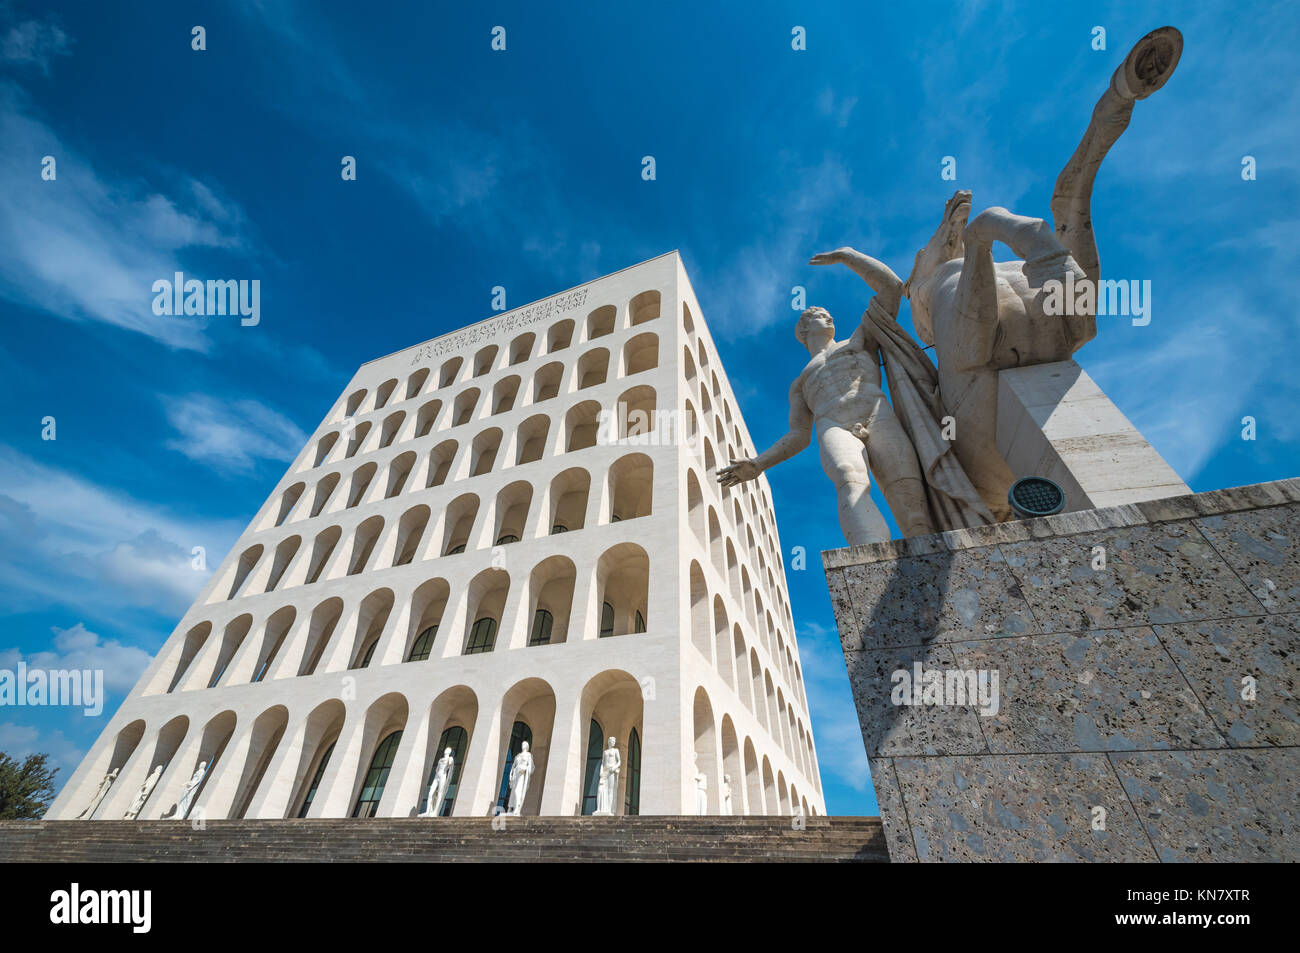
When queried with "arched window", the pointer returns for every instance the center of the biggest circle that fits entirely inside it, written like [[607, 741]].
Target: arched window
[[372, 789], [606, 620], [542, 622], [640, 622], [456, 739], [315, 780], [632, 801], [591, 777], [518, 735], [559, 528], [482, 637], [508, 538], [456, 549], [423, 645]]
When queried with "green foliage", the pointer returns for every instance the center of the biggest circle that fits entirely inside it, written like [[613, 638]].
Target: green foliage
[[26, 789]]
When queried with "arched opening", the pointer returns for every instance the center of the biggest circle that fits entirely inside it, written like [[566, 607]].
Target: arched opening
[[428, 603], [530, 439], [288, 499], [567, 498], [458, 521], [427, 417], [359, 434], [372, 616], [521, 348], [706, 746], [504, 394], [560, 336], [484, 360], [194, 641], [644, 307], [581, 426], [415, 383], [284, 554], [268, 730], [360, 483], [452, 717], [363, 543], [487, 598], [641, 353], [384, 724], [392, 424], [440, 459], [753, 787], [324, 446], [236, 631], [273, 636], [321, 551], [483, 452], [550, 600], [601, 322], [631, 486], [593, 368], [636, 421], [243, 567], [527, 714], [324, 490], [449, 371], [623, 582], [462, 411], [731, 768], [700, 612], [546, 382], [384, 392], [321, 627], [398, 473], [410, 530], [612, 706], [510, 512]]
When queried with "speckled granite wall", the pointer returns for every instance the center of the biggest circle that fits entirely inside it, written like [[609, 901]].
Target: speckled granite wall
[[1121, 688]]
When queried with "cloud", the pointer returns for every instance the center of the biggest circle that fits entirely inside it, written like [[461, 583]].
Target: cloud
[[65, 540], [34, 43], [231, 436], [87, 249], [79, 648], [18, 741]]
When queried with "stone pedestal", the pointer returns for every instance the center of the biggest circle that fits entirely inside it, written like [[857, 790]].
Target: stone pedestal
[[1055, 422], [1146, 658]]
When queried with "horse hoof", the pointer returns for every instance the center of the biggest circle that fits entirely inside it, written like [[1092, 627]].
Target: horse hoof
[[1149, 64]]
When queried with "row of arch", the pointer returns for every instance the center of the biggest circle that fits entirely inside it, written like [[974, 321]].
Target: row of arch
[[755, 789], [564, 504], [549, 605], [599, 323]]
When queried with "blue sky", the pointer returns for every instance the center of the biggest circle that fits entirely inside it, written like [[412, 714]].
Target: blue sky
[[522, 169]]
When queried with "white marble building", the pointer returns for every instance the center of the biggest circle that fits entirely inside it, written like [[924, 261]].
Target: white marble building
[[466, 554]]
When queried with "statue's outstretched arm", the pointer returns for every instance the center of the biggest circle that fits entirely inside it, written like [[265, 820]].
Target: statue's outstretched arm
[[882, 279], [798, 437]]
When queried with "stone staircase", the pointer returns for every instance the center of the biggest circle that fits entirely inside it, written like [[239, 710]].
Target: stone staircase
[[527, 839]]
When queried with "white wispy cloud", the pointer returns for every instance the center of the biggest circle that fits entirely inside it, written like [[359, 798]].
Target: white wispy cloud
[[231, 436], [18, 741], [67, 540], [85, 248], [33, 43], [76, 647]]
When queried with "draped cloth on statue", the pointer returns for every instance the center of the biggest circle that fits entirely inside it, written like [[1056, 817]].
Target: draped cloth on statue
[[914, 393]]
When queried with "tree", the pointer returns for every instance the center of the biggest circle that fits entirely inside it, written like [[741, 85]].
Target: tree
[[26, 789]]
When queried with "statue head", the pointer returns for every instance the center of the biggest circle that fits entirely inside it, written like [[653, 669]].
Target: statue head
[[613, 743], [814, 323], [944, 245], [523, 747], [447, 753]]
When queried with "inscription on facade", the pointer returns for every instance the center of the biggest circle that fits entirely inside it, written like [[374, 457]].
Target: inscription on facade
[[506, 323]]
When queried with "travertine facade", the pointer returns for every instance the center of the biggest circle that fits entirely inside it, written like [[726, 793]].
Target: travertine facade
[[512, 532]]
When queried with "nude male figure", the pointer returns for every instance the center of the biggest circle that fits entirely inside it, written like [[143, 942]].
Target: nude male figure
[[839, 395]]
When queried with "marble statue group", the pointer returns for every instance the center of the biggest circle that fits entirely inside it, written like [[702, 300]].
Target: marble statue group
[[932, 445]]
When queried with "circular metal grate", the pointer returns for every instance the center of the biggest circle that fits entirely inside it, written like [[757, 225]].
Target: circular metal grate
[[1036, 496]]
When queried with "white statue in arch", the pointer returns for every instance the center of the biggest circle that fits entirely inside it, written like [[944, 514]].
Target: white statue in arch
[[610, 764], [98, 799], [137, 803], [521, 771], [187, 796], [701, 791], [724, 790], [441, 782]]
